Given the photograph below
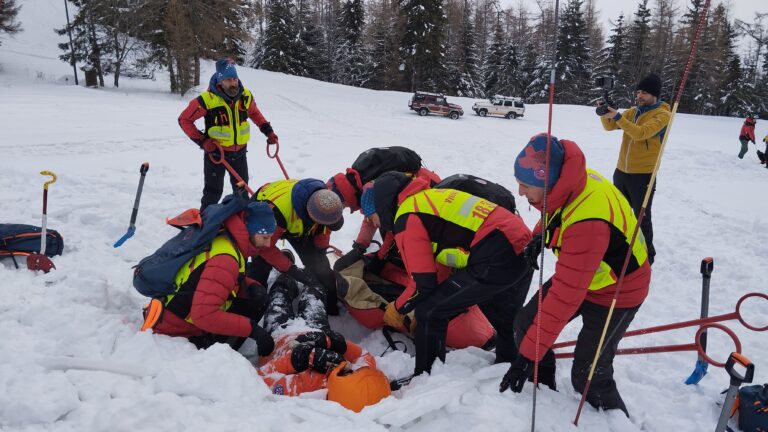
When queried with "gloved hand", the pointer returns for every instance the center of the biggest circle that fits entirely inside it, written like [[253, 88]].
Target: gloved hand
[[264, 341], [325, 360], [271, 138], [517, 375], [532, 251], [349, 258], [302, 275], [209, 145], [395, 319]]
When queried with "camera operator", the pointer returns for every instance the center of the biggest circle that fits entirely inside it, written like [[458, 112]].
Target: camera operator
[[644, 126]]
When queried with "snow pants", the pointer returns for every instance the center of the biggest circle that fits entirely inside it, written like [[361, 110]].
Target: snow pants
[[214, 176], [311, 305], [496, 279], [633, 187], [602, 391], [744, 147]]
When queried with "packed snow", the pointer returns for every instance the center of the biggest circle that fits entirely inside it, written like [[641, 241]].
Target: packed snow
[[71, 355]]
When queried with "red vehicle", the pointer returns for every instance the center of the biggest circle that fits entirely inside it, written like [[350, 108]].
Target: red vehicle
[[425, 103]]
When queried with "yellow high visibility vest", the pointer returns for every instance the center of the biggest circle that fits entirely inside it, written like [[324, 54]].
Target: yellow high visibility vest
[[279, 194], [454, 207], [221, 245], [600, 200], [227, 126]]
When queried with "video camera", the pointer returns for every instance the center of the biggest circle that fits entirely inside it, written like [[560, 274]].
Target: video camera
[[606, 84]]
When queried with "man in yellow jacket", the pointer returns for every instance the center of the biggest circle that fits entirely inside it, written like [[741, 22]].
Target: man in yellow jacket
[[644, 126]]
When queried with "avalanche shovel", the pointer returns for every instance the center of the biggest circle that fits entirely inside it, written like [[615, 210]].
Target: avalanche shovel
[[39, 261], [736, 381], [707, 264], [132, 227]]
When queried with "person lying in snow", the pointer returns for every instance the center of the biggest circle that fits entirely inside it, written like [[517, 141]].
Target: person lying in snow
[[309, 356]]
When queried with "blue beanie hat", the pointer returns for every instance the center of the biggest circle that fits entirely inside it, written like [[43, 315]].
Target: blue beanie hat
[[259, 218], [368, 200], [225, 68], [530, 164]]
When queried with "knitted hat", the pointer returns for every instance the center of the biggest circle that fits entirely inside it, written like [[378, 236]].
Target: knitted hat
[[530, 164], [259, 218], [650, 84], [225, 68], [368, 200], [324, 207]]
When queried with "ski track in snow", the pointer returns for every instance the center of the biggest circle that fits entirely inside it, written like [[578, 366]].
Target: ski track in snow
[[71, 358]]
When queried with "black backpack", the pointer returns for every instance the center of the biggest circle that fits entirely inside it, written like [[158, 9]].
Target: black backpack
[[482, 188], [25, 239], [376, 161]]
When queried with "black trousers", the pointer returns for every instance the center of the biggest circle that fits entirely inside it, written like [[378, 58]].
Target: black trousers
[[311, 305], [602, 391], [314, 260], [633, 187], [214, 176], [496, 279]]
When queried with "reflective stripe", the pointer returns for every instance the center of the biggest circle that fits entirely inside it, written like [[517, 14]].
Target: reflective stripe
[[457, 207], [237, 131], [600, 200]]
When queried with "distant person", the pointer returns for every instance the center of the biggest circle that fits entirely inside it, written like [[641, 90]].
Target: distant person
[[747, 134], [226, 106], [764, 159], [644, 126]]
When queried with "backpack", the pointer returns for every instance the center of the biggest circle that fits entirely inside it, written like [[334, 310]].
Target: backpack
[[482, 188], [154, 276], [376, 161], [25, 239], [753, 408]]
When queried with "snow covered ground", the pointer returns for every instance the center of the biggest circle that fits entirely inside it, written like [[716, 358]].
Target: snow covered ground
[[71, 356]]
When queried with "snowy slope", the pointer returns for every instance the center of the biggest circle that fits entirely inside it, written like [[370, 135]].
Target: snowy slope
[[70, 354]]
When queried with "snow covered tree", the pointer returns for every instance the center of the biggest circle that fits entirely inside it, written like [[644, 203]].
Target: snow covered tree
[[610, 62], [384, 39], [8, 12], [573, 68], [463, 72], [89, 41], [352, 65], [636, 55], [281, 41], [494, 67], [421, 47]]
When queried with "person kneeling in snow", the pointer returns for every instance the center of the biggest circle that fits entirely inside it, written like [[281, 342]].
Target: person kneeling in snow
[[309, 356], [214, 300], [589, 227]]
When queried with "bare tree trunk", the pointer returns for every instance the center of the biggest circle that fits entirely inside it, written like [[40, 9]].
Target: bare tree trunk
[[171, 72], [197, 70]]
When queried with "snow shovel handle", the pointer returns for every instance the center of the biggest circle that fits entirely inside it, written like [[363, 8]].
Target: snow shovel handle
[[143, 171], [43, 234], [736, 381]]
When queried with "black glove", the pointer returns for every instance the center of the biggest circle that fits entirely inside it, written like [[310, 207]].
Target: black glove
[[532, 251], [326, 360], [349, 258], [302, 275], [313, 339], [517, 375], [264, 341]]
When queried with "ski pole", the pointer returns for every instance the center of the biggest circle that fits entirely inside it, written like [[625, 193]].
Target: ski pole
[[707, 265], [641, 214], [132, 226], [222, 161], [736, 381], [39, 261]]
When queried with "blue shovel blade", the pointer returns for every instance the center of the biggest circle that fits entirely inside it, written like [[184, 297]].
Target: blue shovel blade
[[128, 234], [698, 372]]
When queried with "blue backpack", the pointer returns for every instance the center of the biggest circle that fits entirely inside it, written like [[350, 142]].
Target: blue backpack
[[155, 275], [753, 408]]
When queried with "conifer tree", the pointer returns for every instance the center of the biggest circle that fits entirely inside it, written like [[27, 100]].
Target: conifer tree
[[421, 47], [573, 68], [8, 12]]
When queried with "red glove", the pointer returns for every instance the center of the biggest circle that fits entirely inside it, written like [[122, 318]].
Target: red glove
[[271, 138], [209, 145]]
